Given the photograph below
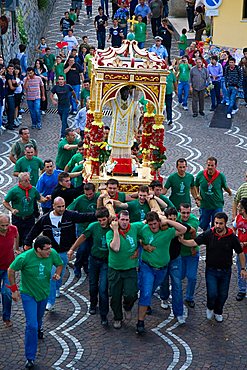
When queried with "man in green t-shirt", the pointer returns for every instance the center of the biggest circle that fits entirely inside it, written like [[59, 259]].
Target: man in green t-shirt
[[84, 203], [156, 188], [85, 92], [88, 61], [18, 148], [171, 85], [122, 263], [155, 258], [76, 160], [140, 32], [35, 266], [183, 81], [182, 43], [190, 256], [29, 163], [98, 262], [181, 184], [67, 147], [210, 183]]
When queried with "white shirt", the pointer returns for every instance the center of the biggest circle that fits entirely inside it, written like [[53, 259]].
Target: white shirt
[[56, 229], [72, 42]]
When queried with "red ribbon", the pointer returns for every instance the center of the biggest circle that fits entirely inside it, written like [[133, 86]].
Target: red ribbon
[[214, 177], [26, 189]]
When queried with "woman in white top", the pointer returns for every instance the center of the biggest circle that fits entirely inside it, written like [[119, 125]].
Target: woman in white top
[[18, 94]]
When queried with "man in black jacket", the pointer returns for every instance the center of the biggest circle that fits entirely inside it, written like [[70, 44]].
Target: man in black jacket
[[59, 226], [66, 190], [220, 242]]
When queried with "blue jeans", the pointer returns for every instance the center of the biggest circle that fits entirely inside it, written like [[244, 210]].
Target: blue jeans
[[56, 284], [76, 89], [207, 217], [190, 16], [34, 109], [101, 39], [217, 282], [215, 94], [82, 255], [168, 102], [34, 313], [150, 279], [89, 9], [166, 10], [65, 33], [98, 284], [141, 45], [175, 272], [10, 110], [1, 115], [224, 91], [183, 89], [102, 3], [242, 283], [6, 295], [245, 88], [189, 270], [181, 52], [64, 114], [232, 97]]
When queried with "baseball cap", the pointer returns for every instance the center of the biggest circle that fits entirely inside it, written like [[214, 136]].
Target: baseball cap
[[158, 38]]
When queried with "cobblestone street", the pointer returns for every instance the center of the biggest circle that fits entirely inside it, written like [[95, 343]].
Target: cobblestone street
[[73, 339]]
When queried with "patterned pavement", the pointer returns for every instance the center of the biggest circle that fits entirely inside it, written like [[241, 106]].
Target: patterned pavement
[[76, 340]]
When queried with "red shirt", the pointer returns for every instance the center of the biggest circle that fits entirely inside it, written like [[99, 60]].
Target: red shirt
[[88, 2], [241, 226], [6, 247]]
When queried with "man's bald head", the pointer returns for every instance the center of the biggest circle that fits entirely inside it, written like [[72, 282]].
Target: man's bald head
[[59, 206]]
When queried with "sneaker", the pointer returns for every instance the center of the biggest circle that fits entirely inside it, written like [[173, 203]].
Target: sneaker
[[140, 329], [190, 304], [218, 318], [104, 321], [240, 296], [128, 315], [92, 310], [74, 113], [234, 111], [117, 324], [22, 110], [49, 307], [40, 334], [181, 320], [195, 115], [209, 314], [43, 113], [29, 364], [227, 103], [229, 115], [169, 123], [164, 304], [185, 108], [202, 114], [149, 311], [7, 323], [57, 293]]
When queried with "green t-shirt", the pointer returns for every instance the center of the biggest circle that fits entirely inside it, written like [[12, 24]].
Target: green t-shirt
[[211, 194], [88, 60], [193, 222], [167, 201], [30, 165], [73, 16], [180, 188], [63, 155], [83, 204], [59, 71], [98, 233], [49, 61], [170, 79], [121, 260], [184, 72], [161, 240], [85, 93], [140, 32], [138, 211], [183, 42], [74, 161], [19, 201], [122, 198], [77, 181], [35, 273], [18, 148]]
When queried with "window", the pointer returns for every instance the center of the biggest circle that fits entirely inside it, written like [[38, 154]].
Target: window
[[245, 9]]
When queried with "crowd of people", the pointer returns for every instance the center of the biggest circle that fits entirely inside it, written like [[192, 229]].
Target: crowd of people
[[140, 249]]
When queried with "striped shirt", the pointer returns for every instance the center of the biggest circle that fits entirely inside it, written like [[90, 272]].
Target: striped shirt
[[234, 77], [33, 88], [241, 193]]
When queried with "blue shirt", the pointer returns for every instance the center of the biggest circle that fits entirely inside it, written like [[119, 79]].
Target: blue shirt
[[216, 70], [80, 119], [160, 51], [46, 184], [142, 10]]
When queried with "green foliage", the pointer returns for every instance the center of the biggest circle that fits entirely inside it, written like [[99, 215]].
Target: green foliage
[[21, 28], [42, 4]]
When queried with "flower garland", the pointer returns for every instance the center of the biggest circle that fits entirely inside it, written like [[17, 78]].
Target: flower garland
[[157, 147], [96, 141], [148, 123], [89, 120]]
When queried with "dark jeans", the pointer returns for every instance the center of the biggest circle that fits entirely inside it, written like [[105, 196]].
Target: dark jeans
[[168, 101], [155, 24], [98, 284], [104, 5], [245, 88], [122, 286], [114, 9], [34, 109], [166, 10], [207, 217], [217, 282], [82, 256], [89, 10], [215, 94], [6, 295], [190, 16], [101, 39], [198, 98], [23, 226], [10, 99], [64, 114]]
